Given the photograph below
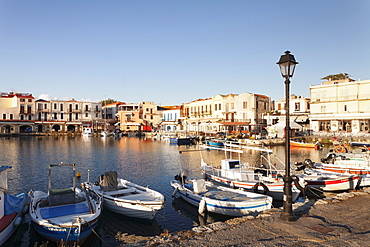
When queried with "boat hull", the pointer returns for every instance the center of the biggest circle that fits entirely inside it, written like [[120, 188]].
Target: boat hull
[[131, 199], [10, 223], [339, 183], [275, 190], [67, 234], [223, 207]]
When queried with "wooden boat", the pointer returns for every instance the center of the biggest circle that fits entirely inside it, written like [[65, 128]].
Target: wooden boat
[[221, 200], [12, 207], [127, 198], [330, 181], [265, 180], [316, 145], [69, 215]]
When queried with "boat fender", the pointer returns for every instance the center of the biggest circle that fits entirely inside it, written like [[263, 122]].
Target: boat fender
[[297, 183], [17, 221], [202, 206], [265, 189], [175, 192], [340, 149], [358, 185]]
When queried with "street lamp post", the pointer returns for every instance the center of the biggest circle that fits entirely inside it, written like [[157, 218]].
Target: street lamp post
[[287, 65]]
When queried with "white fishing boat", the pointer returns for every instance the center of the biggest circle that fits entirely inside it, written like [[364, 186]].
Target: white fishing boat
[[69, 215], [12, 207], [329, 181], [218, 199], [265, 180], [105, 133], [87, 131], [340, 166], [127, 198]]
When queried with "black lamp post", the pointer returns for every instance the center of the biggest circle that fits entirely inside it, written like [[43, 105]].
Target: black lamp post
[[287, 65]]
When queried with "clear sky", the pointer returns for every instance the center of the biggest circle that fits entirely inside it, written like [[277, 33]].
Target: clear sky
[[173, 52]]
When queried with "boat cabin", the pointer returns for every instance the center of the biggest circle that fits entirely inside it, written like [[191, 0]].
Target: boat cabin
[[228, 164]]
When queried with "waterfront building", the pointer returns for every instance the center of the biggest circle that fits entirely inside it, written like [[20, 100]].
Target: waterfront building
[[299, 111], [171, 120], [231, 114], [109, 115], [135, 117], [66, 116], [340, 106], [17, 112]]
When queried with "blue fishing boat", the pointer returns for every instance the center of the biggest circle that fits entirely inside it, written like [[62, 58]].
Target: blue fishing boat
[[66, 215], [12, 207]]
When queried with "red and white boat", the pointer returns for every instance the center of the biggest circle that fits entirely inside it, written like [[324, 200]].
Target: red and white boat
[[332, 182]]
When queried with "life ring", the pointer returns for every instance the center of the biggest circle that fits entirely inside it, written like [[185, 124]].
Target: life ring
[[265, 189], [340, 149], [298, 185]]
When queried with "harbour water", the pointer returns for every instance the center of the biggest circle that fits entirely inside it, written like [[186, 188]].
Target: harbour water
[[143, 161]]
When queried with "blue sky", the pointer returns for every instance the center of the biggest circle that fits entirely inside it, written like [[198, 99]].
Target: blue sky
[[173, 52]]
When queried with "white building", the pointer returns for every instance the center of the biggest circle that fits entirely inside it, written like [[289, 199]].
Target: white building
[[340, 105]]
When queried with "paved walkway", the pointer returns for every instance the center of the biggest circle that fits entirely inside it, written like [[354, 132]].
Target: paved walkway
[[343, 220]]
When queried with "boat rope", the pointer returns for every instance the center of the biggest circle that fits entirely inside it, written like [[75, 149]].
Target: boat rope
[[93, 230]]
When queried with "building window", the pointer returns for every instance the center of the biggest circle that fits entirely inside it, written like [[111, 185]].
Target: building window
[[219, 107], [96, 108], [61, 116], [297, 106], [215, 107], [245, 105], [22, 109], [76, 107], [86, 114], [4, 116], [29, 117], [323, 109], [22, 100], [345, 107], [22, 117], [29, 109], [11, 116], [55, 116], [61, 107], [29, 100], [76, 116], [45, 106], [86, 107], [55, 106], [232, 106]]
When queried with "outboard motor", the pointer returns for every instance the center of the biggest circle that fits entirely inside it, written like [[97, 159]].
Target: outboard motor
[[300, 168], [308, 163]]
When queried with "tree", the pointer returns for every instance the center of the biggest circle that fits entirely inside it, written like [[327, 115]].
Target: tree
[[340, 76], [107, 102]]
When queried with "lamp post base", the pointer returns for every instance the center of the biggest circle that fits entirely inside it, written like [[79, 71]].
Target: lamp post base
[[287, 216]]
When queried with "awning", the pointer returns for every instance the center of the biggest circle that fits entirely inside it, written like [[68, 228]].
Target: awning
[[301, 119], [135, 124]]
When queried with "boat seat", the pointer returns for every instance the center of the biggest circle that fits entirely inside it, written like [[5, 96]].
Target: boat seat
[[61, 196], [63, 210], [120, 192]]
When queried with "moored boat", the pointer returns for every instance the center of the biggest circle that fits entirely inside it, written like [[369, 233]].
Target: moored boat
[[219, 199], [181, 140], [127, 198], [316, 145], [265, 180], [12, 207], [69, 214], [87, 131]]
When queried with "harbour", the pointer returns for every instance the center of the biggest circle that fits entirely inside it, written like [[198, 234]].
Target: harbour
[[144, 161]]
